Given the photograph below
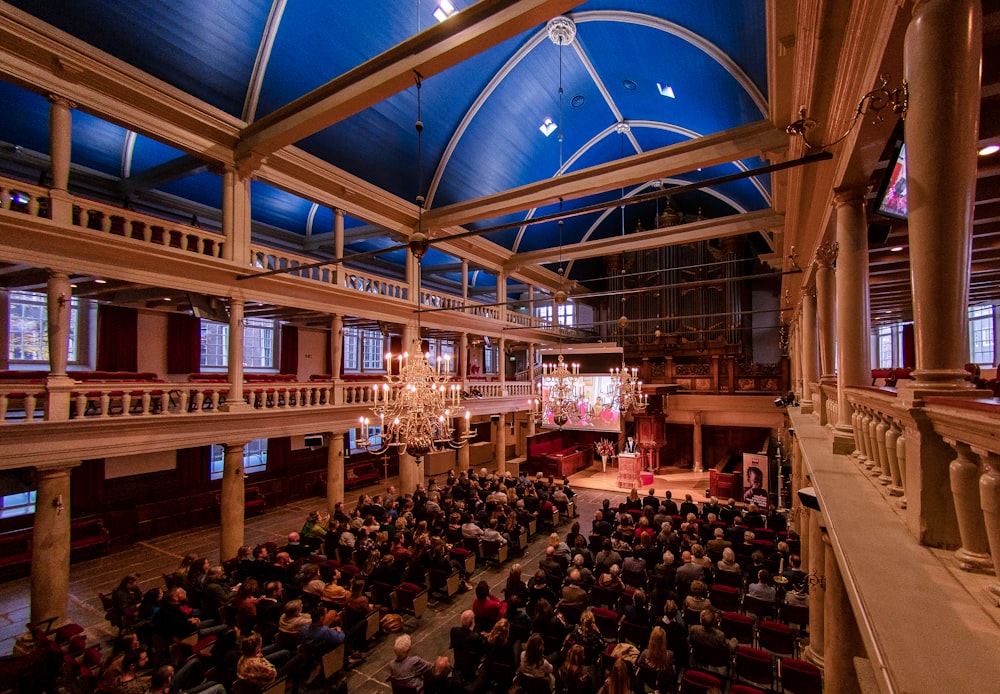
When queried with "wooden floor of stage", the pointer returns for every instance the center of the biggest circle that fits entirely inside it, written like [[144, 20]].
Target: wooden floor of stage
[[679, 481]]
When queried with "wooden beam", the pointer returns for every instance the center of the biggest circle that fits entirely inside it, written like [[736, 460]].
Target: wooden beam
[[701, 230], [730, 145], [466, 34]]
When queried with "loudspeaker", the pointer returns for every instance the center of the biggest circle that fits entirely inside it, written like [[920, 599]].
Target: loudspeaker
[[807, 495], [878, 232], [314, 440]]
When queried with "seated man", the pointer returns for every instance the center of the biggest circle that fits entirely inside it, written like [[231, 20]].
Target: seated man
[[465, 638], [493, 534], [573, 594], [441, 680], [710, 649], [470, 530], [405, 668], [320, 639], [295, 548]]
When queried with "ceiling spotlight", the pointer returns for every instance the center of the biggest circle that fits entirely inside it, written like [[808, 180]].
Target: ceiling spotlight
[[100, 281], [988, 150], [665, 90], [444, 10], [896, 249], [547, 127]]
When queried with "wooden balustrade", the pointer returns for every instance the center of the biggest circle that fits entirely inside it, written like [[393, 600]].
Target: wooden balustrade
[[967, 426], [26, 400]]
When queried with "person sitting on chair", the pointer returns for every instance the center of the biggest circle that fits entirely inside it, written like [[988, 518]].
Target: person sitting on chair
[[408, 669]]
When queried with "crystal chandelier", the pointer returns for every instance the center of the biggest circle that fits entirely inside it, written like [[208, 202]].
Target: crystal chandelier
[[625, 390], [415, 405], [560, 386]]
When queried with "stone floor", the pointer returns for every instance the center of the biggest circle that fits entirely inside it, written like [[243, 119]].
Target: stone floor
[[154, 557]]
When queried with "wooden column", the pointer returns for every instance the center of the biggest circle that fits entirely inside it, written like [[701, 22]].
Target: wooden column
[[853, 325], [60, 145], [232, 504], [50, 541], [335, 471]]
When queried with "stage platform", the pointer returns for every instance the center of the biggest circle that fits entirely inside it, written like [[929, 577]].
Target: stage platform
[[679, 481]]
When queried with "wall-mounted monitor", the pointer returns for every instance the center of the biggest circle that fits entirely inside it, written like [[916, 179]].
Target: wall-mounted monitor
[[891, 199]]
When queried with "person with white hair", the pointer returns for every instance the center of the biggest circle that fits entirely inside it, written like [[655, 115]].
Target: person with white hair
[[405, 668]]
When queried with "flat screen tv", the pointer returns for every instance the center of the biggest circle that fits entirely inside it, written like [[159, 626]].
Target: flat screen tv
[[891, 198]]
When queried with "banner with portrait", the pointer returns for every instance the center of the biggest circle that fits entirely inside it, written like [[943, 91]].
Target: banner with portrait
[[756, 479]]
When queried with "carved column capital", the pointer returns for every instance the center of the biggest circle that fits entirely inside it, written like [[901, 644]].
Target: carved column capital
[[826, 254]]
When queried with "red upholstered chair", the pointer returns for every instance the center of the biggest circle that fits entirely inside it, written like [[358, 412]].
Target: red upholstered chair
[[733, 579], [698, 682], [605, 597], [776, 638], [755, 666], [761, 609], [607, 621], [744, 689], [725, 598], [737, 626], [800, 677], [795, 614]]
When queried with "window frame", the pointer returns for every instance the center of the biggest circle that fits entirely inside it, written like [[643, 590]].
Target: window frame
[[79, 326], [221, 355], [217, 460], [982, 335]]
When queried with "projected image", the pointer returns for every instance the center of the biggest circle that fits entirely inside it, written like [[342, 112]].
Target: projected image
[[893, 201], [594, 409]]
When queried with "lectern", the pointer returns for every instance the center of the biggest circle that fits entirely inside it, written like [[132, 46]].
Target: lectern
[[629, 465]]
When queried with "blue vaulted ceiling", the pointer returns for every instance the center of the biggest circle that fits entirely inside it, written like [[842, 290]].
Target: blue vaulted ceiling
[[251, 57]]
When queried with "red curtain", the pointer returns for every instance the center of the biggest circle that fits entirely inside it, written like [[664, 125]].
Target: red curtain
[[117, 338], [909, 356], [289, 350], [86, 484], [279, 454], [192, 468], [183, 344]]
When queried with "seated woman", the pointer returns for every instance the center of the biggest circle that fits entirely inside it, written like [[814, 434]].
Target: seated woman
[[499, 647], [515, 585], [253, 667], [728, 561], [697, 599], [548, 625], [292, 620], [612, 580], [539, 590], [486, 606], [656, 656], [637, 612], [533, 661], [574, 675], [587, 634]]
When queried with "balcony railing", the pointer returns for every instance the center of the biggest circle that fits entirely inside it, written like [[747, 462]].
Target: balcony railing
[[27, 400]]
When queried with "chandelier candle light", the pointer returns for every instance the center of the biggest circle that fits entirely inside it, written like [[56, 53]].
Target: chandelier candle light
[[560, 392], [418, 404], [626, 390]]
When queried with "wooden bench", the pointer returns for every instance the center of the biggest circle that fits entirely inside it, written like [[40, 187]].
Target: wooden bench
[[88, 533], [361, 475], [85, 534], [253, 500]]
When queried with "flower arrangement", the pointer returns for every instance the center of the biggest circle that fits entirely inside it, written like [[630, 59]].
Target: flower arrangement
[[604, 448]]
